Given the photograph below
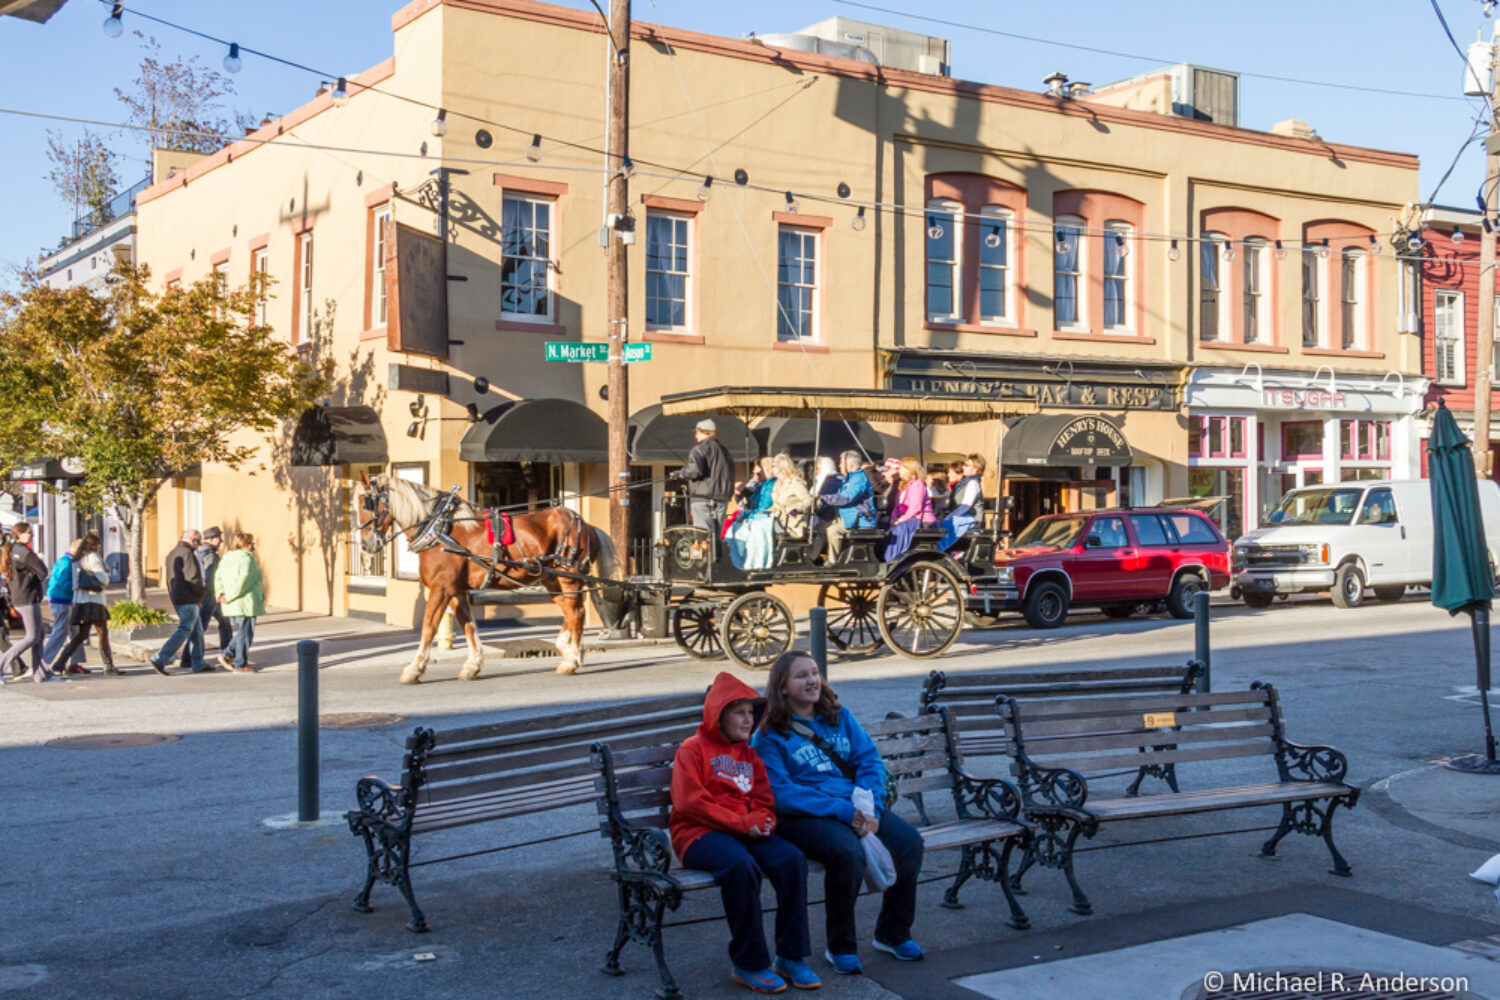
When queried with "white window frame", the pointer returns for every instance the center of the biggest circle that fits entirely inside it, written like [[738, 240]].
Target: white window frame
[[1117, 240], [379, 217], [408, 563], [365, 569], [1408, 297], [260, 263], [1319, 297], [220, 273], [995, 216], [1080, 274], [549, 234], [1352, 304], [949, 214], [808, 237], [305, 305], [1455, 337], [688, 222], [1213, 243], [1256, 248]]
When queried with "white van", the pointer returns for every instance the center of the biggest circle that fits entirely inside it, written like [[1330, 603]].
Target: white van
[[1344, 537]]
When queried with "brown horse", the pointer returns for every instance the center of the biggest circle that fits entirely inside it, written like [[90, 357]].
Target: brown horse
[[395, 506]]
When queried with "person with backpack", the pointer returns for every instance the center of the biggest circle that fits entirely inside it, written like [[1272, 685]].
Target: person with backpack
[[26, 575], [89, 613], [723, 822]]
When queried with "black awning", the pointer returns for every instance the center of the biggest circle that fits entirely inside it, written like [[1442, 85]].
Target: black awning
[[47, 468], [339, 435], [795, 436], [537, 430], [655, 438], [1064, 439]]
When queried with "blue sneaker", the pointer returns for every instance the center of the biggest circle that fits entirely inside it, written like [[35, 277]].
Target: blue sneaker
[[797, 973], [760, 982], [906, 951], [844, 965]]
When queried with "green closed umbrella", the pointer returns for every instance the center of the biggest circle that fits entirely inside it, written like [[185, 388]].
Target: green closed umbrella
[[1461, 576]]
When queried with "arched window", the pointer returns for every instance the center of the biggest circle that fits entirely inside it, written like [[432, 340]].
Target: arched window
[[1067, 272], [1352, 299], [944, 289], [1255, 285], [1314, 282], [1119, 293], [1211, 297], [973, 264], [995, 295]]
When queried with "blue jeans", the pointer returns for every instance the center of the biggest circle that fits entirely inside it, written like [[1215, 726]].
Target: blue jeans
[[835, 844], [58, 636], [208, 612], [738, 863], [238, 649], [190, 631]]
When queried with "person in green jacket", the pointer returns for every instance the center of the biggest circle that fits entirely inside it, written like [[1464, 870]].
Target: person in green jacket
[[242, 597]]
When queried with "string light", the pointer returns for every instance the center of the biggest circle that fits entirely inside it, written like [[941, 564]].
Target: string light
[[1120, 246], [992, 239], [1173, 253], [114, 25], [1280, 251], [439, 125], [934, 229], [534, 151], [1374, 245], [340, 95], [1458, 235], [858, 222], [706, 189], [1229, 250], [1062, 245], [1323, 250], [232, 62], [791, 204]]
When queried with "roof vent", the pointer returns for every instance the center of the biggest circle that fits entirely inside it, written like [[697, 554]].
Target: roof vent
[[1057, 84], [1294, 127]]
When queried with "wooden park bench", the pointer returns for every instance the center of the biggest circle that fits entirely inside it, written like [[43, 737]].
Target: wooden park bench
[[1054, 741], [477, 774], [634, 788]]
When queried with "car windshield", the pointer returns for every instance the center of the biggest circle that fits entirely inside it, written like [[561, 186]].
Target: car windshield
[[1334, 505], [1061, 532]]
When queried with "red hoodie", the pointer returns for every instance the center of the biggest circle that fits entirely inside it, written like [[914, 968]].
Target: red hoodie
[[718, 785]]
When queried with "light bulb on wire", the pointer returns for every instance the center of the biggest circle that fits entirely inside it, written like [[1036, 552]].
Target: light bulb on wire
[[232, 62], [934, 230], [340, 95], [1374, 245], [1062, 246], [439, 126], [114, 25], [1323, 250], [1280, 251], [1174, 253], [1229, 250], [534, 151], [858, 222], [1458, 235], [791, 204], [992, 239], [706, 189]]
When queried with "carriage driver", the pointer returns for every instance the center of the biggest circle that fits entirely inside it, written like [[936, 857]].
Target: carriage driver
[[709, 473]]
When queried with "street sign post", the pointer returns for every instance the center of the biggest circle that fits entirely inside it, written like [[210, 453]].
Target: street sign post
[[569, 351]]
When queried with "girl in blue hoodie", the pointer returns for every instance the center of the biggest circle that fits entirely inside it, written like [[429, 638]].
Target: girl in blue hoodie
[[815, 755]]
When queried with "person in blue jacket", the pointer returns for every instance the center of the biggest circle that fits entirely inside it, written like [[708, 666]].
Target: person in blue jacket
[[815, 755], [60, 603], [854, 500]]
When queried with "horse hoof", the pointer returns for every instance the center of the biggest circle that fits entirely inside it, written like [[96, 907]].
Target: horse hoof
[[411, 678], [468, 674], [567, 668]]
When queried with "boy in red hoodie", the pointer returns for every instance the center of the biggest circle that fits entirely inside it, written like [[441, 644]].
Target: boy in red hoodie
[[722, 820]]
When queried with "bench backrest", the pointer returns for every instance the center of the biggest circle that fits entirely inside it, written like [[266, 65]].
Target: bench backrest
[[635, 784], [970, 698], [530, 765], [1097, 734]]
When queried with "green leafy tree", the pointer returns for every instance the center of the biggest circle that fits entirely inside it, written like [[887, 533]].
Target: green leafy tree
[[83, 172], [140, 386]]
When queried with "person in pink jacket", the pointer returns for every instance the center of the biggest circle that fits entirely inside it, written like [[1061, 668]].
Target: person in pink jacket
[[913, 508]]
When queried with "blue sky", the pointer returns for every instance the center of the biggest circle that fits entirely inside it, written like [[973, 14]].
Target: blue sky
[[68, 66]]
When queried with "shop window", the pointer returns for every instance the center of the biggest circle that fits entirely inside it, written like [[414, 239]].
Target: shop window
[[526, 256], [944, 291], [1448, 337], [1365, 440], [364, 568], [1067, 269], [1210, 289], [796, 283], [1118, 299], [1216, 437], [994, 266], [1302, 439], [668, 270]]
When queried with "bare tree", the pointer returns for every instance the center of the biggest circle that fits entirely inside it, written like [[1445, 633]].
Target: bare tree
[[83, 171], [178, 102]]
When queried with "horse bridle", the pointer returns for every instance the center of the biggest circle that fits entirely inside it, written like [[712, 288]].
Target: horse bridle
[[376, 502]]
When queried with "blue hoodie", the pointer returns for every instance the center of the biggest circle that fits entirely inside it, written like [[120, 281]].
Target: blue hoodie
[[60, 581], [854, 500], [806, 782]]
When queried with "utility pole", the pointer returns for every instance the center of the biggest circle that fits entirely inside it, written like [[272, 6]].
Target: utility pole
[[617, 275], [1485, 349]]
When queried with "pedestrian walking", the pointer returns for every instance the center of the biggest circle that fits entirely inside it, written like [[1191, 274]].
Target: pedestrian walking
[[184, 578], [709, 473], [60, 604], [208, 608], [89, 612], [241, 596], [26, 576]]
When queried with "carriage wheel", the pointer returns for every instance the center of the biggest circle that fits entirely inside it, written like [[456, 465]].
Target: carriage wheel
[[852, 625], [921, 611], [756, 629], [696, 629]]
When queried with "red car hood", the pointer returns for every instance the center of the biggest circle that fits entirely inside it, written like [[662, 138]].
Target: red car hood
[[1008, 556]]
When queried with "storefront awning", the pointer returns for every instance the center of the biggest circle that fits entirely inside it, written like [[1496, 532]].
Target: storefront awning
[[339, 435], [658, 438], [795, 436], [537, 430], [915, 408], [48, 468], [1058, 439]]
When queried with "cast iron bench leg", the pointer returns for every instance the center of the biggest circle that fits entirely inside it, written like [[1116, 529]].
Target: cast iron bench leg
[[622, 934], [1055, 838], [966, 870], [1340, 866], [1018, 918], [361, 902]]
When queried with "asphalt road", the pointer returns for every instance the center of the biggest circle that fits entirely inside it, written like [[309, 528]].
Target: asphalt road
[[150, 872]]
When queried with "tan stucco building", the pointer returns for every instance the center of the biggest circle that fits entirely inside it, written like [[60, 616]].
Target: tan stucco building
[[941, 235]]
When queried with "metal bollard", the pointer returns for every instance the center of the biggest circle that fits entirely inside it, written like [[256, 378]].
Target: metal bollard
[[1200, 640], [307, 731], [817, 638]]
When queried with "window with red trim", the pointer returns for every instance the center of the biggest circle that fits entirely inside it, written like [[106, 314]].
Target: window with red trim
[[1364, 440], [1302, 439], [1216, 437]]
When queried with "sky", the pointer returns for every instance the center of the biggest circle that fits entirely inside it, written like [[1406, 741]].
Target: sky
[[68, 66]]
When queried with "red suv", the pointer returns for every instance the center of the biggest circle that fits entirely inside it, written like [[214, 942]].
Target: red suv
[[1116, 560]]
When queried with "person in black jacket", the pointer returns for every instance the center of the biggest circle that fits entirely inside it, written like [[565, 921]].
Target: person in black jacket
[[709, 473], [208, 608], [184, 579], [26, 576]]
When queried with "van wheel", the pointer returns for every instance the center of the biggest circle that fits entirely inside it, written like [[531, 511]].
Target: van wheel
[[1180, 600], [1391, 594], [1258, 601], [1046, 606], [1348, 587]]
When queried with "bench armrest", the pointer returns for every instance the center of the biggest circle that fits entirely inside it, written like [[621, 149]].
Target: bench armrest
[[380, 802], [1052, 787], [641, 850], [984, 798], [1299, 762]]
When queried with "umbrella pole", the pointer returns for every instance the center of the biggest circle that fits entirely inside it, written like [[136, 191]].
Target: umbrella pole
[[1480, 618]]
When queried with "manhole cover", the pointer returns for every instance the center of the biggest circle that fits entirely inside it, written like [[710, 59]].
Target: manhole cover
[[1326, 984], [113, 741], [358, 720]]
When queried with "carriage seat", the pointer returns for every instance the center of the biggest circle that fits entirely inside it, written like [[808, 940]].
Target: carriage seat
[[863, 545], [926, 538]]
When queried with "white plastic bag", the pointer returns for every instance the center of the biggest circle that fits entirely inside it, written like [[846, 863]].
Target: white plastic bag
[[1489, 872], [880, 868]]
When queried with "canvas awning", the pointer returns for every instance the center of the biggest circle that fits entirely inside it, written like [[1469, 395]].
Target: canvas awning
[[655, 437], [918, 409], [339, 435], [1059, 439], [537, 430]]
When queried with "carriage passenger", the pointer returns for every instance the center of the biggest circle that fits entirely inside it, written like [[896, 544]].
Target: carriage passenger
[[752, 535], [791, 503], [913, 509], [887, 491], [853, 499], [963, 514]]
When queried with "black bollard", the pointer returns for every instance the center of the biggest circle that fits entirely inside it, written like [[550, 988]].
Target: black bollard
[[817, 638], [307, 731], [1200, 641]]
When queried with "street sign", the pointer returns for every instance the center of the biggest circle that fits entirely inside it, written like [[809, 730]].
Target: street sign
[[568, 351]]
